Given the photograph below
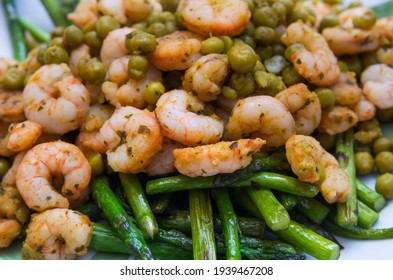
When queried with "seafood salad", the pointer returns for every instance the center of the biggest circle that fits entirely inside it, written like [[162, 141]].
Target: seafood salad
[[195, 129]]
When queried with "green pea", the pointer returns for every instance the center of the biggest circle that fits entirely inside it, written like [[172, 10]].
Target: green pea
[[381, 144], [384, 185], [269, 83], [291, 77], [250, 29], [93, 41], [364, 162], [89, 27], [243, 84], [384, 161], [13, 79], [167, 16], [365, 21], [292, 49], [280, 10], [258, 67], [97, 164], [40, 54], [137, 67], [169, 5], [140, 42], [140, 26], [354, 64], [106, 24], [171, 26], [343, 66], [55, 55], [332, 2], [278, 49], [359, 147], [249, 41], [30, 41], [264, 35], [73, 36], [299, 13], [229, 92], [228, 43], [153, 91], [57, 31], [212, 45], [154, 17], [92, 71], [242, 58], [288, 4], [4, 166], [251, 5], [327, 141], [158, 29], [265, 16], [275, 64], [329, 20], [58, 41], [264, 52], [369, 125], [326, 97]]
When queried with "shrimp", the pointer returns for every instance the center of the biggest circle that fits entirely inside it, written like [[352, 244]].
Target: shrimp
[[163, 162], [316, 62], [55, 99], [176, 51], [6, 63], [206, 75], [9, 178], [385, 27], [76, 55], [57, 234], [346, 89], [364, 109], [9, 231], [261, 117], [133, 137], [337, 119], [304, 106], [138, 10], [308, 160], [126, 91], [221, 157], [86, 12], [11, 106], [318, 8], [114, 45], [215, 18], [23, 135], [113, 8], [175, 112], [89, 137], [345, 39], [50, 166], [12, 205], [377, 81], [31, 64], [4, 137]]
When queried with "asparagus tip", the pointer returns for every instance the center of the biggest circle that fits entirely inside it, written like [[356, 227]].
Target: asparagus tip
[[149, 227]]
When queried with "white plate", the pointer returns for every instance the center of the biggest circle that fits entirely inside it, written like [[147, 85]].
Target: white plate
[[354, 250]]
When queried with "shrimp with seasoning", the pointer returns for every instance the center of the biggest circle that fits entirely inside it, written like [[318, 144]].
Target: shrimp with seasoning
[[114, 45], [304, 106], [138, 10], [261, 117], [364, 109], [221, 157], [346, 39], [23, 135], [177, 110], [55, 99], [206, 75], [176, 51], [113, 8], [133, 137], [123, 90], [9, 178], [377, 81], [86, 12], [11, 106], [346, 89], [9, 231], [316, 62], [89, 138], [313, 164], [337, 119], [215, 18], [57, 234], [49, 167]]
